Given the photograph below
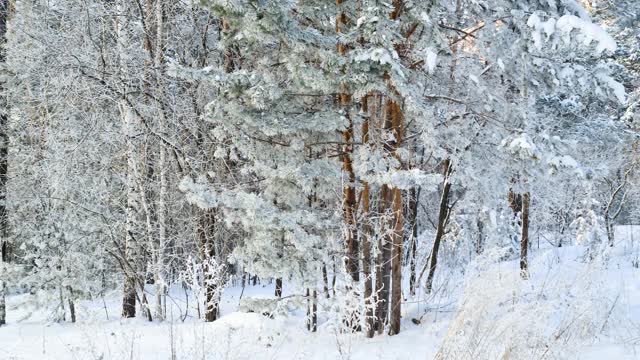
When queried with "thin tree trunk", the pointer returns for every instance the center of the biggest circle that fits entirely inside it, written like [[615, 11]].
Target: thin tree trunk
[[64, 312], [383, 268], [162, 165], [325, 280], [308, 296], [366, 239], [413, 206], [4, 147], [314, 315], [442, 219], [3, 304], [524, 242], [278, 291], [129, 291], [72, 307], [333, 277], [480, 241]]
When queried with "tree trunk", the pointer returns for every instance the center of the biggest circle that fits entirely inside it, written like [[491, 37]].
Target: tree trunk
[[72, 307], [325, 280], [129, 292], [480, 240], [4, 147], [312, 310], [278, 292], [609, 227], [308, 296], [314, 315], [396, 267], [524, 242], [349, 191], [162, 166], [383, 268], [515, 202], [129, 298], [129, 246], [351, 238], [397, 235], [333, 277], [366, 240], [442, 220], [206, 234], [3, 305], [413, 206]]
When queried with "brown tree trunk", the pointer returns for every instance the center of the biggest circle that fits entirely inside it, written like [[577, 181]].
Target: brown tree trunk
[[396, 267], [351, 238], [366, 239], [383, 267], [524, 241], [396, 260], [442, 220]]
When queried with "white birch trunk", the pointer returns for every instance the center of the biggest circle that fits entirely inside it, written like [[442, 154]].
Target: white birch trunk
[[162, 165]]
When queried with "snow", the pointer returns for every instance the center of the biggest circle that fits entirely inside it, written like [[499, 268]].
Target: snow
[[431, 60], [588, 32], [562, 288], [618, 89]]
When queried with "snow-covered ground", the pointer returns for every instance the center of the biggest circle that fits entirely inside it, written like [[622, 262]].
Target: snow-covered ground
[[569, 308]]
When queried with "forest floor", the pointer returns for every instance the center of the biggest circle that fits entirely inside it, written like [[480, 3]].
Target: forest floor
[[573, 308]]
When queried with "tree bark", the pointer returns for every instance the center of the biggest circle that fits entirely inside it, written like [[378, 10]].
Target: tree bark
[[524, 241], [442, 220], [349, 191], [72, 307], [308, 296], [129, 292], [129, 298], [4, 147], [414, 196], [278, 291], [314, 315], [383, 268], [325, 280], [206, 235], [366, 239], [162, 166], [397, 235]]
